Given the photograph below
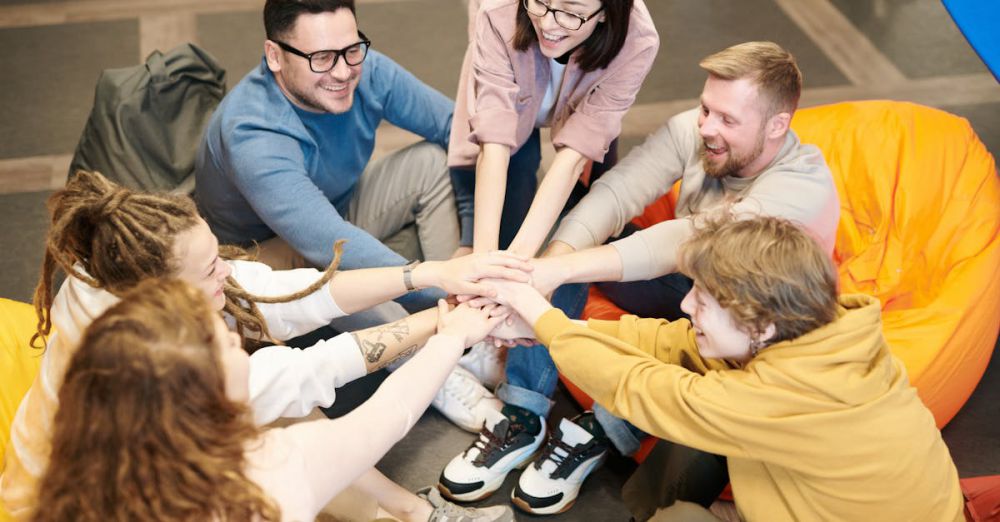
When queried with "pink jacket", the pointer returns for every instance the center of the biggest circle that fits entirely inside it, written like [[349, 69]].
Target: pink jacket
[[500, 89]]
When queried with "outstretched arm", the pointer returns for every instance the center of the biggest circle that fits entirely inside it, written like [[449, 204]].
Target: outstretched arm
[[491, 187], [601, 263], [356, 290], [341, 450], [549, 201], [383, 344]]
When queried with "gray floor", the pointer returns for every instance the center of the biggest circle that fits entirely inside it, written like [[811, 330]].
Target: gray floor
[[50, 72]]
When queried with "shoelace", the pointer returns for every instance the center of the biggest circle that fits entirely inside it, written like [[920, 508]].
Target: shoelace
[[486, 443], [550, 452]]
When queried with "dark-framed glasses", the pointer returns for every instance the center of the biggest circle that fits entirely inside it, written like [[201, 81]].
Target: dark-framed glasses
[[565, 19], [325, 60]]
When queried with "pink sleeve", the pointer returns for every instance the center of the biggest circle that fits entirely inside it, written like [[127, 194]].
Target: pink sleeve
[[494, 114], [597, 121]]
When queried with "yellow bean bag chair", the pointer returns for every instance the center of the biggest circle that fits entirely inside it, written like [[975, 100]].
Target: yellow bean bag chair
[[919, 229], [18, 365]]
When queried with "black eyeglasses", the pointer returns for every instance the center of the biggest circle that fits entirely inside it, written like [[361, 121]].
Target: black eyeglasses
[[565, 19], [323, 61]]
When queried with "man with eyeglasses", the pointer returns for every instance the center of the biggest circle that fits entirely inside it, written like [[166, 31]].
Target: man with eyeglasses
[[284, 162]]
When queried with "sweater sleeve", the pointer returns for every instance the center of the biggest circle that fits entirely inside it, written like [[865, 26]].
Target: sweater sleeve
[[665, 400], [289, 382], [267, 166], [411, 104], [621, 194], [341, 450], [494, 118]]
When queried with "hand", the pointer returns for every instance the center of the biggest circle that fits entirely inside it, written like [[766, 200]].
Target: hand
[[521, 297], [515, 329], [461, 275], [547, 275], [503, 292], [469, 324]]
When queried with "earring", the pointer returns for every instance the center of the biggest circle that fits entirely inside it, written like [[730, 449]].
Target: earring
[[755, 346]]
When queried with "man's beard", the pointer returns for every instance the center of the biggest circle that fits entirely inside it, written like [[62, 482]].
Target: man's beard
[[734, 163]]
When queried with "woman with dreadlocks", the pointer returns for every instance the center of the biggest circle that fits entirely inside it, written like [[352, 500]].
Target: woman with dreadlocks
[[153, 421], [107, 239]]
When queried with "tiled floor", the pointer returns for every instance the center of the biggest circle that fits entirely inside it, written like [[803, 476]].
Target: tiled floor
[[847, 49]]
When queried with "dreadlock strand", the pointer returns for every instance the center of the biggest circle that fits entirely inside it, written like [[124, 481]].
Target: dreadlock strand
[[338, 251]]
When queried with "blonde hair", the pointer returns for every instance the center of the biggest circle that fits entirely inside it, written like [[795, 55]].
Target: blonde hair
[[144, 429], [769, 66], [121, 237], [763, 270]]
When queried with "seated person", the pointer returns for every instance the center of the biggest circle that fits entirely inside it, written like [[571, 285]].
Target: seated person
[[285, 158], [154, 421], [107, 239], [790, 382], [736, 149]]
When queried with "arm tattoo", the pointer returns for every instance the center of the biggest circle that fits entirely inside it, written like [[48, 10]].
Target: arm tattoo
[[403, 354], [398, 329]]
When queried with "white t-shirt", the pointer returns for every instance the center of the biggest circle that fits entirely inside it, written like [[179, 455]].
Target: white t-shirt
[[544, 117]]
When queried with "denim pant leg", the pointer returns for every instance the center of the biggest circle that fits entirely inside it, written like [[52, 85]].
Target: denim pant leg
[[625, 436], [522, 183], [531, 374], [660, 297]]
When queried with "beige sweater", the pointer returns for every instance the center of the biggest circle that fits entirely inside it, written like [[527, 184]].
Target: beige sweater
[[797, 185]]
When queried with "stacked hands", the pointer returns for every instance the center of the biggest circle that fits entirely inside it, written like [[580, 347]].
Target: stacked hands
[[496, 296]]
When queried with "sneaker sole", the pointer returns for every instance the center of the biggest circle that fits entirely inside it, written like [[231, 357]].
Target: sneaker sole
[[554, 509], [565, 503], [475, 495]]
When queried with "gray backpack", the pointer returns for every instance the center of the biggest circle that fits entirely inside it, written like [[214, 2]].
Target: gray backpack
[[147, 120]]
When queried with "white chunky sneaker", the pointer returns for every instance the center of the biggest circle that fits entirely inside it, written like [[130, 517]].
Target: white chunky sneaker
[[487, 362], [445, 511], [464, 401], [480, 470], [552, 482]]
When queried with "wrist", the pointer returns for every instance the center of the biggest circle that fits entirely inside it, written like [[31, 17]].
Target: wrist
[[423, 274], [451, 337]]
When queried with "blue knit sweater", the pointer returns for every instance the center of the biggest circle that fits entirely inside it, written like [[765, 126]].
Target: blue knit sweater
[[266, 167]]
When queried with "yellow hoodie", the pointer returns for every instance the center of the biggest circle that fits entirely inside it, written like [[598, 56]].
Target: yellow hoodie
[[822, 427]]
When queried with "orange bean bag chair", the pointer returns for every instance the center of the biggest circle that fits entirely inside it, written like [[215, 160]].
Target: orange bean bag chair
[[919, 229]]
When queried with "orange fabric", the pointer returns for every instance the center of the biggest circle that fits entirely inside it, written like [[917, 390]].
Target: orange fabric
[[982, 496], [919, 229]]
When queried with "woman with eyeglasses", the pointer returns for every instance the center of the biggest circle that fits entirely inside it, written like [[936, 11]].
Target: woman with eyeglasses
[[573, 66]]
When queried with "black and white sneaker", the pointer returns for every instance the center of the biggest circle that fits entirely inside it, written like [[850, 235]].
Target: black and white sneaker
[[503, 444], [552, 482]]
